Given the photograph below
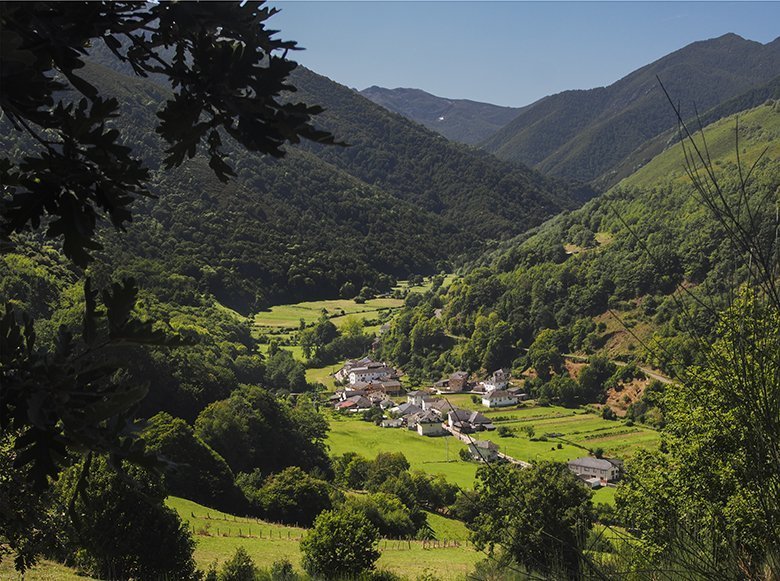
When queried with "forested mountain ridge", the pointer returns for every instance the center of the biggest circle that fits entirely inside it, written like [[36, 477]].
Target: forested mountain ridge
[[303, 226], [605, 278], [584, 134], [670, 138], [462, 120], [488, 197]]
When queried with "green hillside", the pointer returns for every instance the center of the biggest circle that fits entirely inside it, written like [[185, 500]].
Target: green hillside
[[585, 134], [605, 278], [399, 201]]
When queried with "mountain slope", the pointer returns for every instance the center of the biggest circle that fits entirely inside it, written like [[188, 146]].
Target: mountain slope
[[488, 198], [461, 120], [607, 277], [584, 134], [401, 200]]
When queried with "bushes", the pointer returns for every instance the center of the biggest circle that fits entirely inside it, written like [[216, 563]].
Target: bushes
[[291, 496], [341, 544]]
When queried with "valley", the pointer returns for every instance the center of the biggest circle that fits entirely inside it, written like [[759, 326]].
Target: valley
[[258, 325]]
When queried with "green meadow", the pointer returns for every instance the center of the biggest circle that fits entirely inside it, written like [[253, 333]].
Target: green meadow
[[218, 535], [432, 455], [289, 316], [575, 431]]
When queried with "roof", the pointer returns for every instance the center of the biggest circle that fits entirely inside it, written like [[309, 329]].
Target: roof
[[589, 462], [442, 405], [497, 394], [460, 375], [427, 418], [468, 416], [417, 392], [408, 409], [485, 444]]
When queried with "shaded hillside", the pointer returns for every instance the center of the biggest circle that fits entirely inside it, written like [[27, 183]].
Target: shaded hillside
[[605, 277], [400, 201], [462, 120], [585, 134], [488, 198]]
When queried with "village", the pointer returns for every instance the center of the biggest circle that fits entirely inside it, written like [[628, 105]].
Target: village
[[373, 387]]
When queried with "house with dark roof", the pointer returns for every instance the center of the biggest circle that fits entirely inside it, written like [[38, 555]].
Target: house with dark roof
[[428, 424], [483, 450], [356, 403], [468, 421], [605, 469]]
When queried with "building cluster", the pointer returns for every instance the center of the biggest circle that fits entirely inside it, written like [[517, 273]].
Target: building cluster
[[369, 384]]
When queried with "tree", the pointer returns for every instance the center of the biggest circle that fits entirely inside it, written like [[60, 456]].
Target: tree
[[197, 471], [225, 67], [594, 376], [341, 544], [228, 74], [239, 567], [713, 486], [539, 516], [386, 512], [122, 529], [544, 354], [292, 496]]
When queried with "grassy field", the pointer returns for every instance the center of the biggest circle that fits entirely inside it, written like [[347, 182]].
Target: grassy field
[[757, 127], [578, 431], [218, 535], [289, 316], [433, 455], [43, 571]]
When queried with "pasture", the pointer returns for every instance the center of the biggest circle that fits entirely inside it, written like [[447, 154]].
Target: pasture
[[289, 316], [218, 535], [576, 431]]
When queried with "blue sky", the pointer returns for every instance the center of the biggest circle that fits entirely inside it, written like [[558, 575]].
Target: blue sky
[[508, 53]]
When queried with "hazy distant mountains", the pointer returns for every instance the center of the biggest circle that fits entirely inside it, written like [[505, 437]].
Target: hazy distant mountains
[[587, 135], [461, 120]]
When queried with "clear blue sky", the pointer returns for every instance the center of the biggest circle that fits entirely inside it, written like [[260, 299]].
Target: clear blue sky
[[508, 53]]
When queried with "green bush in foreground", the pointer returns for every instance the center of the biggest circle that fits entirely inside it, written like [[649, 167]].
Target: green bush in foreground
[[341, 544]]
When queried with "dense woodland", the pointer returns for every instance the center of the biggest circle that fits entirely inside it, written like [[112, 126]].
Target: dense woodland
[[131, 373]]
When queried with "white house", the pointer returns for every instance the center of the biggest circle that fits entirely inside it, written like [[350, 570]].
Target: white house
[[373, 371], [499, 398], [429, 424], [498, 380], [601, 468]]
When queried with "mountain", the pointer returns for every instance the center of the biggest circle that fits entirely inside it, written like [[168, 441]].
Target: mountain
[[461, 120], [643, 264], [653, 147], [485, 197], [400, 200], [585, 134]]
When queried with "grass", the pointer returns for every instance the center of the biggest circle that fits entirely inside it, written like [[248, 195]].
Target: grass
[[424, 453], [605, 494], [579, 431], [217, 538], [757, 127], [43, 571], [289, 316]]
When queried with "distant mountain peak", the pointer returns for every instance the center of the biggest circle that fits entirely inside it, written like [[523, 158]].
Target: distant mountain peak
[[462, 120]]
